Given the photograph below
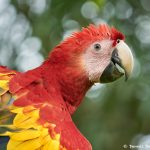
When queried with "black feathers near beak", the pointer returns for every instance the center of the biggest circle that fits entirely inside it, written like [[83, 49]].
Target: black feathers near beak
[[114, 70]]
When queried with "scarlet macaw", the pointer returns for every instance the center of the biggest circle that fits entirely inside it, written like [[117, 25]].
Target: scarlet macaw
[[36, 106]]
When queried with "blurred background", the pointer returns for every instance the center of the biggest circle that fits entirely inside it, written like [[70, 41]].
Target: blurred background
[[112, 116]]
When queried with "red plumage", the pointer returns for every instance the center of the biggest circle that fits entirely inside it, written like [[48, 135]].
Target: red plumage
[[58, 86]]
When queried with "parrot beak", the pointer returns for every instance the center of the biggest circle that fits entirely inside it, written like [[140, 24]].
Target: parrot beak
[[121, 63]]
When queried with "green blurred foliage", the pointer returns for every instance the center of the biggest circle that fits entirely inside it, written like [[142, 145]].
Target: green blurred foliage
[[121, 112]]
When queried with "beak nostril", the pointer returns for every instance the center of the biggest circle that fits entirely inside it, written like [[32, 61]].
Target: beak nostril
[[118, 41]]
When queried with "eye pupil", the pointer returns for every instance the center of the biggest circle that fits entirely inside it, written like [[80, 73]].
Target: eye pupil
[[97, 47]]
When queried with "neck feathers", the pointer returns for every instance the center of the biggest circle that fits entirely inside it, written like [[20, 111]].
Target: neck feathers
[[73, 83]]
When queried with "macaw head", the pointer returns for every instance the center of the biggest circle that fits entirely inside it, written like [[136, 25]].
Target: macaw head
[[99, 51], [107, 57]]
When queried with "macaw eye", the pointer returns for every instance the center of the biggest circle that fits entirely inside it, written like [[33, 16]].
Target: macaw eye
[[97, 46]]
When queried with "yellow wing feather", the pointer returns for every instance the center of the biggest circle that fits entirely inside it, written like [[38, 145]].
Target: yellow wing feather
[[26, 133], [30, 135]]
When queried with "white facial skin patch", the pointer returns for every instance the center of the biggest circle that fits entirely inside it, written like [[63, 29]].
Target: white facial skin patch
[[97, 59]]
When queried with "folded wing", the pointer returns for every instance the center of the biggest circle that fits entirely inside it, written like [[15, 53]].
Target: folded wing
[[32, 119]]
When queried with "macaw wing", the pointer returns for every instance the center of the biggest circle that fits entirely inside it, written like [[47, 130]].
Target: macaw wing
[[5, 96], [6, 99], [38, 122]]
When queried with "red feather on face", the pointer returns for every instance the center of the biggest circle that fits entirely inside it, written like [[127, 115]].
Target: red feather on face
[[79, 41], [57, 87]]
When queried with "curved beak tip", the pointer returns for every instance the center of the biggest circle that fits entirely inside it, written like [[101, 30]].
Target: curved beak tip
[[121, 64], [126, 58]]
